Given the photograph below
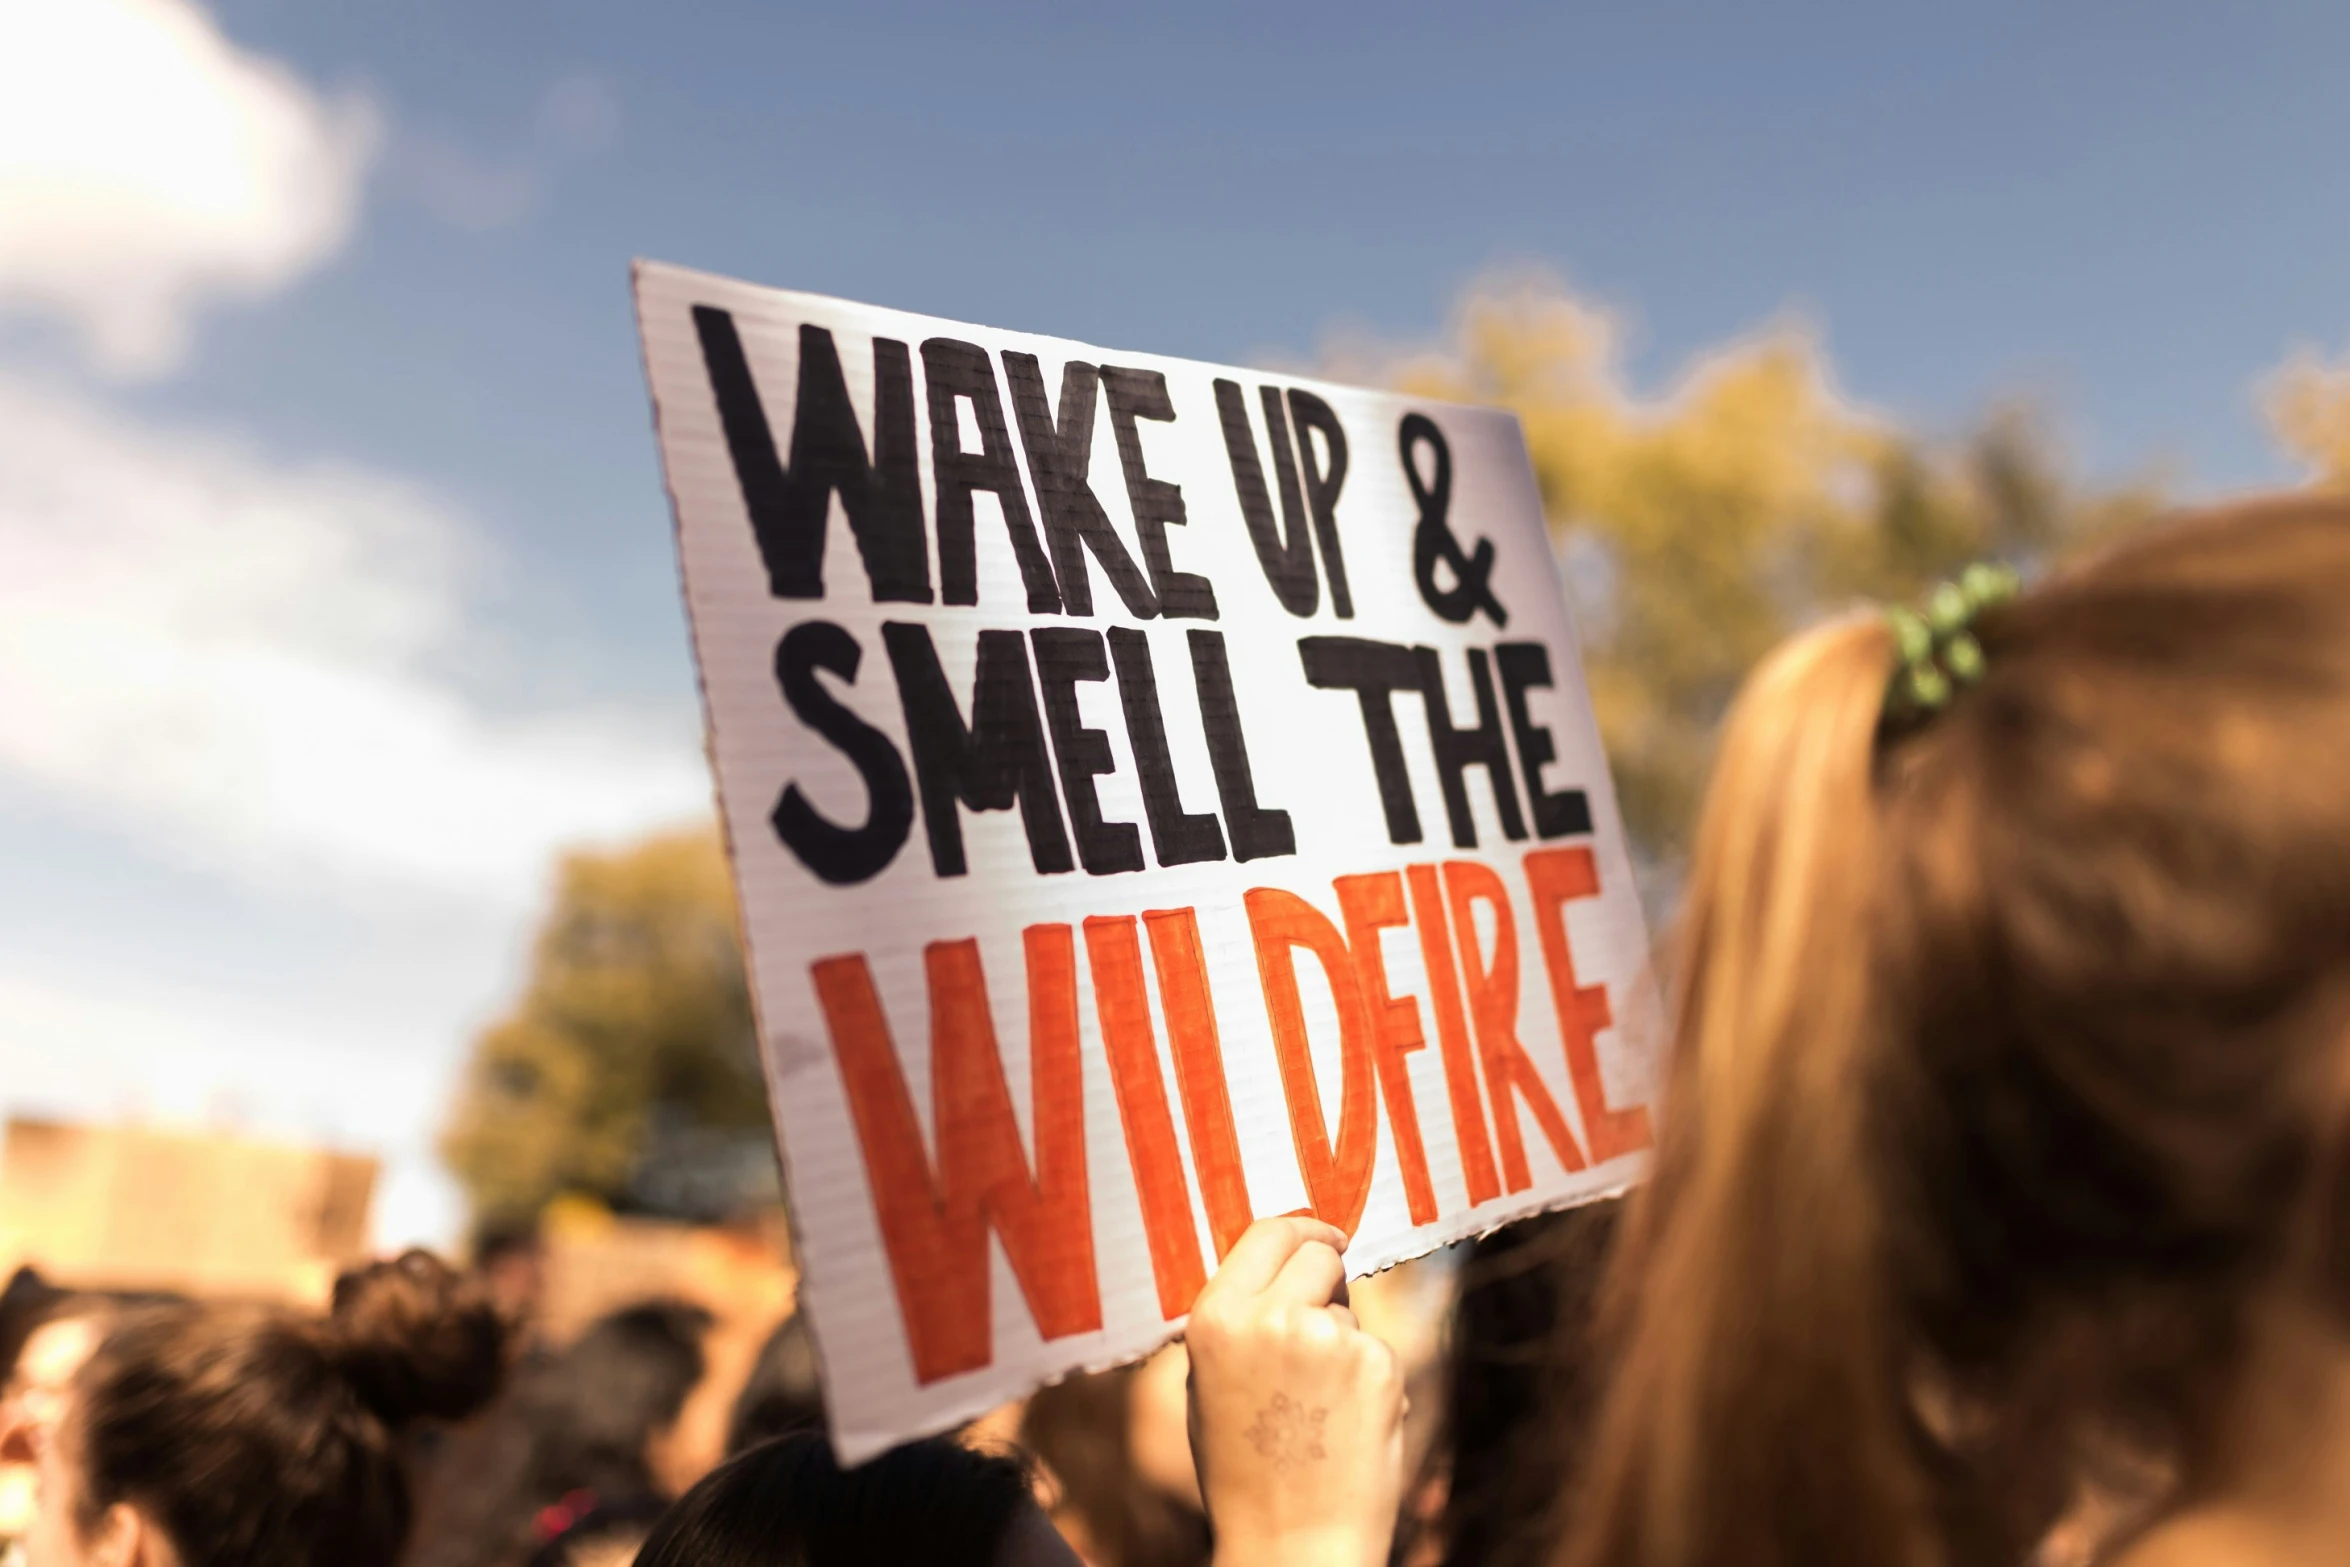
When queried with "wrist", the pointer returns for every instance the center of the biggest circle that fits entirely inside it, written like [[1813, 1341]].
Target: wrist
[[1325, 1547]]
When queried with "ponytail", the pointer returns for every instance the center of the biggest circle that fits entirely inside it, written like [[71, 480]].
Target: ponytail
[[2007, 1077], [1752, 1414]]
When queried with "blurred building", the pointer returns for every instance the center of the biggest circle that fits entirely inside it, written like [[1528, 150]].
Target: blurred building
[[199, 1213]]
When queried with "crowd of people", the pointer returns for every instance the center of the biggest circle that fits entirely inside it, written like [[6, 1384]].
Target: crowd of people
[[2000, 1211]]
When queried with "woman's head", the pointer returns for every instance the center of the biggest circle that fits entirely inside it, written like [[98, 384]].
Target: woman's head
[[209, 1436], [783, 1393], [602, 1406], [2009, 1064], [576, 1436], [787, 1503]]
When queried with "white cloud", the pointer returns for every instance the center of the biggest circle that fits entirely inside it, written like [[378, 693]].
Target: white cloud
[[148, 166], [236, 662]]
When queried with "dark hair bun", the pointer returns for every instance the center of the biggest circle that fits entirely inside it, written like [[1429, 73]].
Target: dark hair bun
[[416, 1339]]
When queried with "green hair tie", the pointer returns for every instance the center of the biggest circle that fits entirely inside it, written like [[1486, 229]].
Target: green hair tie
[[1935, 651]]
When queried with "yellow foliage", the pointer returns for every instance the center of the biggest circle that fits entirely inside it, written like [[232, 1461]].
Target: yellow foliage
[[2308, 407], [1701, 527]]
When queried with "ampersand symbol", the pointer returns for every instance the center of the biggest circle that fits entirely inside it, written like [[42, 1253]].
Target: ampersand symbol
[[1433, 540]]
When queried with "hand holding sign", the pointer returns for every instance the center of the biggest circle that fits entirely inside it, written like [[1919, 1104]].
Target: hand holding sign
[[1296, 1413]]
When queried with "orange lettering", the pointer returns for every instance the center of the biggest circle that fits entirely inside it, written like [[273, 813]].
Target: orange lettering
[[935, 1230], [1116, 957], [1371, 904], [1493, 1003], [1452, 1036], [1340, 1185], [1555, 876], [1199, 1071]]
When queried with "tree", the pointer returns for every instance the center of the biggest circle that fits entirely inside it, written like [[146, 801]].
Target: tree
[[1699, 528], [631, 1051]]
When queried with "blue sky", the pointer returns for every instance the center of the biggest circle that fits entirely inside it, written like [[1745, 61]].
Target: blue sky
[[394, 402]]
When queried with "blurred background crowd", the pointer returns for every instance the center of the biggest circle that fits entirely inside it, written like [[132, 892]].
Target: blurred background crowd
[[644, 1350]]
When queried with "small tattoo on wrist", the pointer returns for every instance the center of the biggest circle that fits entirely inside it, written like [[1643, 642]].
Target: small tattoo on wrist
[[1287, 1433]]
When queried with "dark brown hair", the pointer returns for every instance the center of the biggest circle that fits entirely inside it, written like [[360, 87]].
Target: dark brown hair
[[255, 1437], [1522, 1382], [579, 1421], [784, 1392], [789, 1503], [2008, 1068]]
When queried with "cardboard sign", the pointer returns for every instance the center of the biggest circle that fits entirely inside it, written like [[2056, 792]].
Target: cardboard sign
[[1161, 794]]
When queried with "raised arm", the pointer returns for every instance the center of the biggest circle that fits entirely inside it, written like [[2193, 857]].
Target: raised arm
[[1296, 1412]]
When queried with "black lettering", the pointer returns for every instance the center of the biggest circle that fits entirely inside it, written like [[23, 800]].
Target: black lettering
[[1158, 505], [952, 370], [999, 758], [789, 506], [1065, 657], [1178, 837], [1288, 562], [1433, 541], [1322, 487], [1458, 750], [1525, 665], [1060, 460], [1374, 672], [840, 855], [1258, 832]]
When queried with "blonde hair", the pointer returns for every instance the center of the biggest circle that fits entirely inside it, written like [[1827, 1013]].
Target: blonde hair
[[2006, 1066]]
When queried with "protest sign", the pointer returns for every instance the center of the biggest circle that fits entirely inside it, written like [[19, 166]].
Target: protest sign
[[1160, 795]]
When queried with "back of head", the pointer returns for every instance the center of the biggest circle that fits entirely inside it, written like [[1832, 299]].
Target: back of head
[[571, 1436], [598, 1404], [416, 1339], [26, 1301], [260, 1438], [783, 1393], [787, 1503], [2006, 1071]]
